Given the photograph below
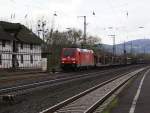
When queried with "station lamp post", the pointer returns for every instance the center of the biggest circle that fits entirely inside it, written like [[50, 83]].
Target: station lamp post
[[114, 45], [141, 27], [84, 36], [51, 55], [85, 26], [52, 28]]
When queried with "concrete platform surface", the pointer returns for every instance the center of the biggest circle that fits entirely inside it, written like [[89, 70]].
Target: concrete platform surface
[[136, 97]]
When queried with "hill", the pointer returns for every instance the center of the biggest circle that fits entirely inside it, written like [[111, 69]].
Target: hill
[[138, 46]]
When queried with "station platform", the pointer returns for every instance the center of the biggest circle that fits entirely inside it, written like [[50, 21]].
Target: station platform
[[135, 98]]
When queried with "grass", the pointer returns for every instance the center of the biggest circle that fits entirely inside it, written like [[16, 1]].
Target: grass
[[113, 104]]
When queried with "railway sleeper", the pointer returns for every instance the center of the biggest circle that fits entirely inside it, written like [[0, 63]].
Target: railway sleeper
[[7, 98], [11, 98]]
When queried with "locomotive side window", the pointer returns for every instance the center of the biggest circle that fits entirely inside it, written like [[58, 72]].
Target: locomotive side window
[[69, 52]]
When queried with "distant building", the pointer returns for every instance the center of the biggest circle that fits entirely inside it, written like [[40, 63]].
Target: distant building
[[20, 48]]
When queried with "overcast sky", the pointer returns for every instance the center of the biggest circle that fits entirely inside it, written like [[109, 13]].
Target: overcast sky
[[108, 13]]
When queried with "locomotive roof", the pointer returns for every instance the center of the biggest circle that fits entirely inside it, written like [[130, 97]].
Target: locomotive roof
[[82, 50], [86, 50]]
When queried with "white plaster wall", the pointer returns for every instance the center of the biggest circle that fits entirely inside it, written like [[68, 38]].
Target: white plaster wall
[[6, 53], [27, 52], [26, 48], [8, 46]]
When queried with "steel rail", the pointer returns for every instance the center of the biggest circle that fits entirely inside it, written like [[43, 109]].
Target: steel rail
[[37, 84], [99, 102], [82, 94]]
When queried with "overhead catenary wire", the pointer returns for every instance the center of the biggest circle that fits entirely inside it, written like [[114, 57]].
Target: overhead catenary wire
[[117, 16]]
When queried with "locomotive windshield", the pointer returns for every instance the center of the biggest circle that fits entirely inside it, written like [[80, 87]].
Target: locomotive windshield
[[68, 52]]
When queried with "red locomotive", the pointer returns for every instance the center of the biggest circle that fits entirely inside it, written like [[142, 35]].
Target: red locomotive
[[76, 58]]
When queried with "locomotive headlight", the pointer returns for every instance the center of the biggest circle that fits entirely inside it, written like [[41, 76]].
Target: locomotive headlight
[[73, 59], [63, 59]]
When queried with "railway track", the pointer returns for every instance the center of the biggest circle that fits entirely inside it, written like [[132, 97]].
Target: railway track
[[89, 100], [40, 74], [36, 75], [52, 82], [14, 81], [17, 80], [18, 90]]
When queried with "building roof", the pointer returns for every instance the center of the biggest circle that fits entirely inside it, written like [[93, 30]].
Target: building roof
[[21, 33], [27, 36], [7, 26], [5, 36]]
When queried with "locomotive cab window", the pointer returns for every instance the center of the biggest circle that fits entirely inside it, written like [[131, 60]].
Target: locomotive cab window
[[69, 52]]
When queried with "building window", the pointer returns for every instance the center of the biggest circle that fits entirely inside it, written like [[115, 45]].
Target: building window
[[21, 45], [31, 59], [31, 46], [3, 43], [0, 59], [22, 59]]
